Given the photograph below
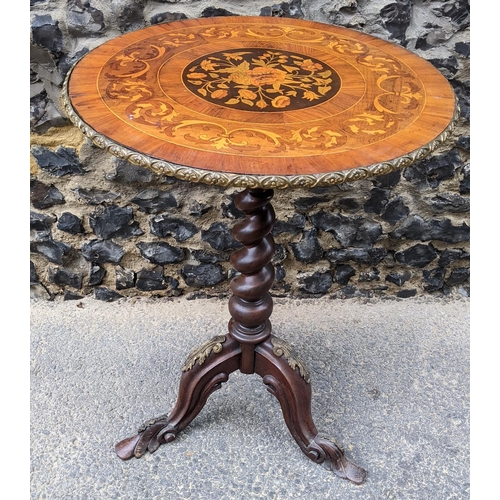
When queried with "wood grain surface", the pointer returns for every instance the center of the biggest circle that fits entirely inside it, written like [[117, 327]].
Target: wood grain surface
[[261, 96]]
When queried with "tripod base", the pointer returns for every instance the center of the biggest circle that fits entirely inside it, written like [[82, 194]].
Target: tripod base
[[284, 374]]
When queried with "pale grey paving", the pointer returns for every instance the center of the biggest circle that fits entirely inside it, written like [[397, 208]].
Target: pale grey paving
[[390, 384]]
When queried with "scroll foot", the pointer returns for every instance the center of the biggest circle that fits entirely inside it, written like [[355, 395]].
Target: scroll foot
[[149, 438], [287, 378], [323, 450], [204, 372]]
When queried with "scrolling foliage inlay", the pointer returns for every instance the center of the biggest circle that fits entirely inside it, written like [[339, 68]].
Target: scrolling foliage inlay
[[136, 85]]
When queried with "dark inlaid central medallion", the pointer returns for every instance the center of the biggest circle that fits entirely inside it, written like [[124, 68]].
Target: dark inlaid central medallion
[[255, 79]]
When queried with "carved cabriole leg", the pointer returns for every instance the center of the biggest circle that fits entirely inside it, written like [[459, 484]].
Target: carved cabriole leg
[[287, 378], [251, 304], [274, 360], [204, 372]]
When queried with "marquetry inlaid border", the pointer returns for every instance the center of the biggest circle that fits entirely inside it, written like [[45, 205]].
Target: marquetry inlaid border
[[199, 175]]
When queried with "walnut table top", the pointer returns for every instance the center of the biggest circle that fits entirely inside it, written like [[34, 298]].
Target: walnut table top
[[260, 102]]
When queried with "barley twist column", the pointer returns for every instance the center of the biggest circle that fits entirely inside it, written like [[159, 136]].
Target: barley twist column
[[251, 304]]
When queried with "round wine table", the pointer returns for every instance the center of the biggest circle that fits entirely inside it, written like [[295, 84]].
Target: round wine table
[[257, 103]]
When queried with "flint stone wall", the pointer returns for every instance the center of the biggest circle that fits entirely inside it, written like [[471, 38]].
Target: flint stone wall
[[105, 227]]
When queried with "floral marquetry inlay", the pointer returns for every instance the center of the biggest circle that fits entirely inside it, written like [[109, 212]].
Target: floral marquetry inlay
[[261, 79], [261, 96]]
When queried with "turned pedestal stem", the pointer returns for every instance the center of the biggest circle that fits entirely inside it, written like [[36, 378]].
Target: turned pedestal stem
[[251, 304]]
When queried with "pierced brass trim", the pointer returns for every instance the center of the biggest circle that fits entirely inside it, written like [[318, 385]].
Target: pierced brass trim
[[201, 353], [283, 348], [192, 174]]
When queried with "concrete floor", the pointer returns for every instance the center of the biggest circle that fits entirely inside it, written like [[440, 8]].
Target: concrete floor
[[390, 382]]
